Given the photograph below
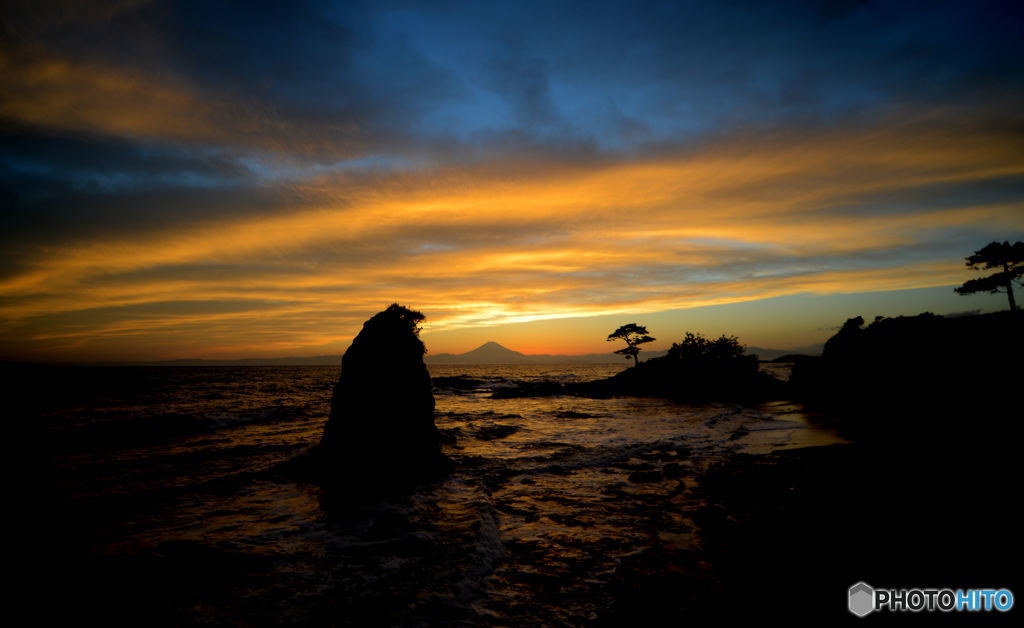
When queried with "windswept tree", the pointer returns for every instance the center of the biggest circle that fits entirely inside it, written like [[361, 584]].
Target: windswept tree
[[1008, 258], [634, 335]]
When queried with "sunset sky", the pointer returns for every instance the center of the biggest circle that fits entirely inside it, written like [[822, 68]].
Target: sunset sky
[[227, 180]]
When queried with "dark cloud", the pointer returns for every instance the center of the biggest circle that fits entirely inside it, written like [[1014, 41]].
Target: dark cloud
[[40, 212], [834, 10], [523, 83], [340, 80], [135, 122], [933, 197], [305, 78], [80, 159]]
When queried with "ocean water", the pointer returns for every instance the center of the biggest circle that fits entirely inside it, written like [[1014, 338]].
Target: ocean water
[[159, 498]]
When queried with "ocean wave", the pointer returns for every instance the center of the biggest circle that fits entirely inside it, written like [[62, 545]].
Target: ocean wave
[[550, 499]]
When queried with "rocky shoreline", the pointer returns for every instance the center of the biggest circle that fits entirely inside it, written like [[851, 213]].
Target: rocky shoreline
[[785, 534]]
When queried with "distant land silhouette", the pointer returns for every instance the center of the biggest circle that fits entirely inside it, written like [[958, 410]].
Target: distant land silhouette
[[312, 360], [487, 353], [494, 353]]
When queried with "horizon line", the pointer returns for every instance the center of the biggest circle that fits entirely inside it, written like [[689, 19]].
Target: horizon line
[[337, 356]]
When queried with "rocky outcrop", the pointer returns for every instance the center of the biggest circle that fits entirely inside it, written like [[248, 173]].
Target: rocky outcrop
[[951, 381], [381, 433]]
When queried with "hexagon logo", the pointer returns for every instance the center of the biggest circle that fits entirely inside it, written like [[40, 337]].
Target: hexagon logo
[[862, 599]]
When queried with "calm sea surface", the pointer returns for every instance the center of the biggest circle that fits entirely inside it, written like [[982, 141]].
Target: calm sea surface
[[162, 496]]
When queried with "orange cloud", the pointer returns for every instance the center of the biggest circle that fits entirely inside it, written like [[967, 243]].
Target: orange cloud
[[489, 245], [57, 93], [61, 94]]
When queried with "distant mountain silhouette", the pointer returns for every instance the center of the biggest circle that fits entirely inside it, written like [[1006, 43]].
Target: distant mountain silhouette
[[494, 353], [771, 354], [487, 353], [311, 360]]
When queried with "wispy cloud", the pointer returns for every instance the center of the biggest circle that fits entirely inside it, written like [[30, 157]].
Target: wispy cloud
[[736, 220], [198, 179]]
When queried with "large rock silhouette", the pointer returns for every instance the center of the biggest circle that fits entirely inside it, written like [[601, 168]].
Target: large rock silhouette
[[381, 433]]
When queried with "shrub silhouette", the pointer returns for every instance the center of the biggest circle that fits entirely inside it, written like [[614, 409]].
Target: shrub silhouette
[[712, 365], [697, 347], [696, 368]]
